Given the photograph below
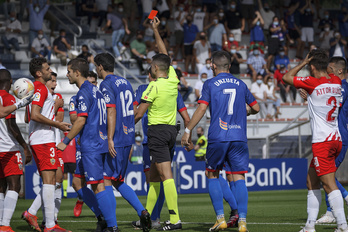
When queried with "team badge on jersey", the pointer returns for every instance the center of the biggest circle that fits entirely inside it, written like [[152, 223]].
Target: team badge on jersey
[[20, 166], [53, 161], [37, 97]]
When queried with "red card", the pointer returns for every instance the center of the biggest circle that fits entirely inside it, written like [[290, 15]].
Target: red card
[[153, 14]]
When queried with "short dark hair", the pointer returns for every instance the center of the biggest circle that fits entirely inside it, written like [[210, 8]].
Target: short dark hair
[[221, 59], [5, 77], [320, 59], [54, 74], [36, 65], [340, 61], [201, 128], [162, 61], [84, 46], [92, 74], [61, 30], [106, 60], [79, 64]]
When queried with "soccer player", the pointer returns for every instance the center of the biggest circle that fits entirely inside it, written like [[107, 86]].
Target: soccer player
[[324, 93], [118, 94], [42, 141], [226, 97], [338, 66], [58, 116], [91, 124], [11, 166], [160, 100], [181, 108], [77, 184]]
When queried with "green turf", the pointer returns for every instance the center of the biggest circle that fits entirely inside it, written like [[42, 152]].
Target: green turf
[[268, 211]]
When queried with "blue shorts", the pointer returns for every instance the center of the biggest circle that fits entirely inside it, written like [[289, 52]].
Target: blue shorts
[[146, 158], [339, 159], [115, 168], [235, 153], [91, 167]]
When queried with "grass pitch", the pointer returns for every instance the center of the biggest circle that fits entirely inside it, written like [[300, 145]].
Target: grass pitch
[[268, 211]]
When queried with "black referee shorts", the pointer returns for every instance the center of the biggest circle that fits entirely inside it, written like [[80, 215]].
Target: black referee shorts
[[161, 141], [69, 167]]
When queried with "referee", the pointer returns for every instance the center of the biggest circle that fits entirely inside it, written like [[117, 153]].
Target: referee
[[160, 100]]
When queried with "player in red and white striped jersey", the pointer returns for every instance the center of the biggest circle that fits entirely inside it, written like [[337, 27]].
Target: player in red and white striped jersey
[[324, 93], [11, 166]]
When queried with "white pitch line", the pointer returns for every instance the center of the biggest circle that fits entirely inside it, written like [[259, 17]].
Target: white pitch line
[[205, 223]]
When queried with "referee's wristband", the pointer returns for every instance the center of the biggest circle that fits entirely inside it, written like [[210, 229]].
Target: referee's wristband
[[66, 140], [187, 130]]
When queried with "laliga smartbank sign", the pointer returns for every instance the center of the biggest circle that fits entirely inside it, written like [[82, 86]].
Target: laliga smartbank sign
[[268, 174]]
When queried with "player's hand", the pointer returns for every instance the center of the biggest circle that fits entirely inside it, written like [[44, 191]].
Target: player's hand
[[64, 126], [307, 60], [61, 146], [185, 140], [24, 102], [248, 109], [59, 102], [112, 150], [189, 147], [303, 94], [155, 23], [27, 156]]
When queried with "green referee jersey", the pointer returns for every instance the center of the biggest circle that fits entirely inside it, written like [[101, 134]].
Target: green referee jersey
[[162, 95]]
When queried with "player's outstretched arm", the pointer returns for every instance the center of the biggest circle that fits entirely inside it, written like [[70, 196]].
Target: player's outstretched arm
[[289, 76], [38, 117], [141, 111], [160, 44], [14, 130], [197, 116], [111, 114], [76, 128]]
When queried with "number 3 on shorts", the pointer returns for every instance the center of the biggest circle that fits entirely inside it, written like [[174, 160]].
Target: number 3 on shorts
[[52, 150]]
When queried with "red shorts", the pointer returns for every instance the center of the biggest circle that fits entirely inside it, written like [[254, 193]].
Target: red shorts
[[60, 159], [324, 155], [45, 156], [10, 164]]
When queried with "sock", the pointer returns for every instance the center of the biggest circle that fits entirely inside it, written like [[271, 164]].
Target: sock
[[216, 196], [227, 193], [36, 205], [233, 189], [111, 197], [344, 192], [129, 194], [88, 197], [172, 200], [152, 196], [328, 208], [313, 205], [57, 199], [241, 194], [48, 203], [65, 188], [108, 212], [10, 203], [156, 213], [336, 203], [2, 196]]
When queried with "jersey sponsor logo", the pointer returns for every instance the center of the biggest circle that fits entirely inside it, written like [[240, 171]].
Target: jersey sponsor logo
[[125, 129], [102, 136], [82, 106], [316, 162], [148, 92], [72, 106], [37, 97], [223, 125], [81, 97], [145, 97], [302, 78]]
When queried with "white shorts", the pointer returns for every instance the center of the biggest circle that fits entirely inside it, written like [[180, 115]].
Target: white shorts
[[307, 34], [237, 34]]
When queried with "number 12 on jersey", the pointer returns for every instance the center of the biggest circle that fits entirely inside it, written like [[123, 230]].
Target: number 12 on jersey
[[232, 93]]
